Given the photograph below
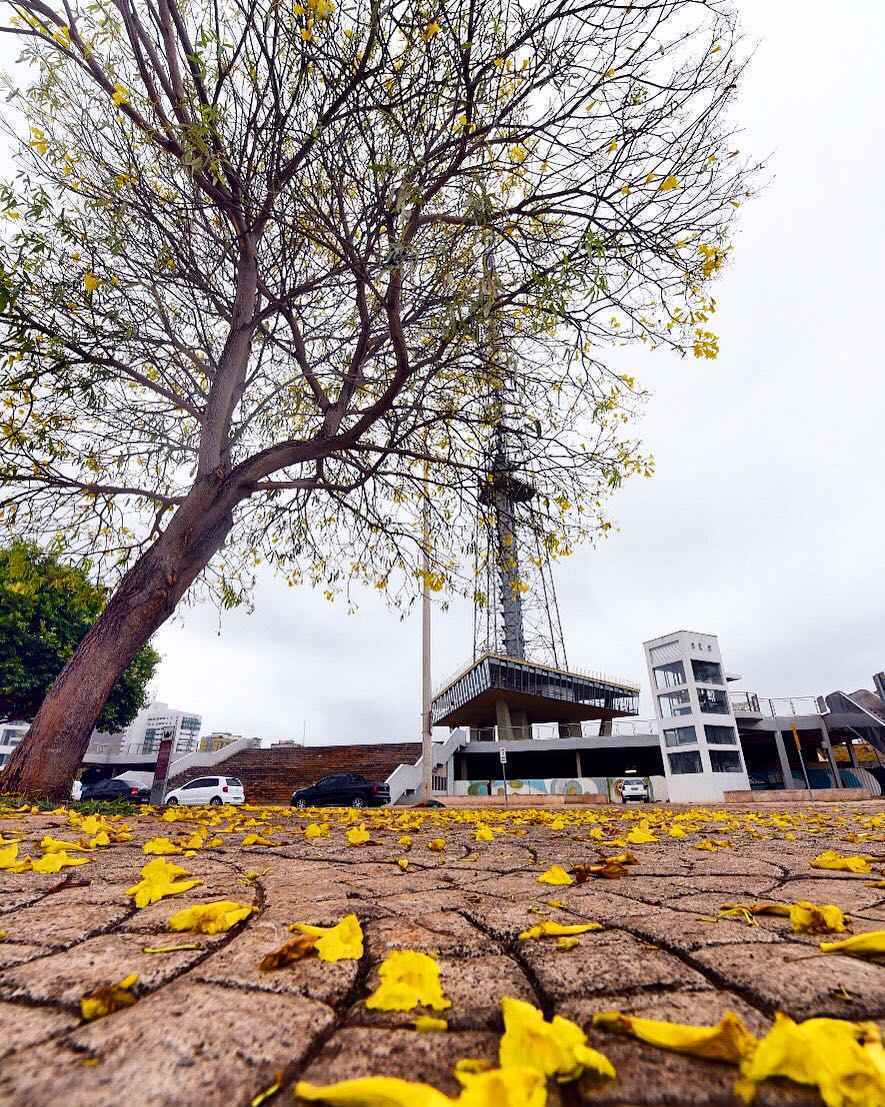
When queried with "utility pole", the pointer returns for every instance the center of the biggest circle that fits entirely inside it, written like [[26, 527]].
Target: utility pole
[[426, 729]]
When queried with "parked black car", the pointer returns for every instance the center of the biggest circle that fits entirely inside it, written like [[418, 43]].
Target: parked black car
[[114, 789], [342, 790]]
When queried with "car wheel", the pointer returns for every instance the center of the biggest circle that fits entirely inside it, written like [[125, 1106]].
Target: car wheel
[[173, 802], [214, 802], [357, 801], [301, 803]]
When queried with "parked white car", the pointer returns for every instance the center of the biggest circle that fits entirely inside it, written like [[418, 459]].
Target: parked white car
[[635, 790], [207, 789]]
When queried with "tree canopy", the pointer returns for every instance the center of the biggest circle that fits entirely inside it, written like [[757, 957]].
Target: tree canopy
[[308, 191], [273, 275], [46, 607]]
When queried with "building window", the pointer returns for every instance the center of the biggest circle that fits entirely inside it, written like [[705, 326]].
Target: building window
[[707, 672], [721, 735], [726, 761], [669, 676], [681, 736], [713, 702], [685, 762], [675, 703]]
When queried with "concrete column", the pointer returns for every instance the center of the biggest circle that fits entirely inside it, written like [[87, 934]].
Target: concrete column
[[828, 749], [502, 716], [786, 771], [519, 722], [852, 755], [578, 763]]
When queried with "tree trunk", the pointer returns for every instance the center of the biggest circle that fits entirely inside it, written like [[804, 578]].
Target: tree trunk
[[44, 764]]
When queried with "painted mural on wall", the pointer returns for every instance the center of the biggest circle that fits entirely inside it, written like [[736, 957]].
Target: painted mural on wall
[[549, 786]]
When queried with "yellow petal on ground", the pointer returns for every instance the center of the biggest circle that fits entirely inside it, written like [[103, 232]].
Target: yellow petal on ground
[[427, 1023], [160, 846], [58, 845], [100, 839], [861, 945], [483, 834], [816, 918], [268, 1093], [556, 874], [104, 1001], [566, 943], [640, 835], [9, 856], [342, 942], [437, 845], [316, 830], [729, 1040], [557, 1048], [158, 879], [53, 862], [172, 949], [403, 863], [358, 836], [211, 918], [504, 1087], [843, 1060], [832, 859], [550, 929], [409, 979], [373, 1091]]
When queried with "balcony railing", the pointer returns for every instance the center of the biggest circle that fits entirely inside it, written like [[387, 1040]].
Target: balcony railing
[[768, 707], [620, 727]]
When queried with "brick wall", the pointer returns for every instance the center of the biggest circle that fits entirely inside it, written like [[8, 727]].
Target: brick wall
[[272, 775]]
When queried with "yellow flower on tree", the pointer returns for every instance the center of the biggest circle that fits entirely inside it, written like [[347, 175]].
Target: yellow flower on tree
[[409, 979], [432, 28], [557, 1048], [120, 95], [668, 183], [91, 282]]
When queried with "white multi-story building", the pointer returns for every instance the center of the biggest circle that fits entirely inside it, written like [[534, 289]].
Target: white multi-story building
[[153, 722], [10, 736], [699, 741]]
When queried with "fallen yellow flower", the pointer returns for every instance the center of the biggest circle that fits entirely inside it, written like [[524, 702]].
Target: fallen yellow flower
[[373, 1091], [342, 942], [408, 979], [53, 862], [104, 1001], [316, 830], [729, 1040], [557, 1048], [483, 834], [158, 880], [640, 835], [210, 918], [437, 845], [517, 1086], [871, 944], [358, 836], [160, 846], [59, 845], [556, 874], [832, 859], [805, 917], [843, 1060], [427, 1023], [550, 929]]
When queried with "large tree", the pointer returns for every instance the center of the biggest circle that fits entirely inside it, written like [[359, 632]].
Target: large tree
[[46, 609], [251, 263]]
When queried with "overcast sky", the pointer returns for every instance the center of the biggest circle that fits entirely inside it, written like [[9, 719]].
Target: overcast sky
[[765, 522]]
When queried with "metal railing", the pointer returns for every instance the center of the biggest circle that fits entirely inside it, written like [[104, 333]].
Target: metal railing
[[749, 703], [588, 674], [620, 728]]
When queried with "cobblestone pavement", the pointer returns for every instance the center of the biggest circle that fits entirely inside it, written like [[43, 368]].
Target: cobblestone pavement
[[210, 1028]]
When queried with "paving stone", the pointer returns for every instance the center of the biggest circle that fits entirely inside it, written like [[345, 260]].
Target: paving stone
[[14, 953], [353, 1052], [807, 988], [444, 933], [474, 985], [687, 931], [605, 961], [189, 1043], [22, 1026], [61, 919]]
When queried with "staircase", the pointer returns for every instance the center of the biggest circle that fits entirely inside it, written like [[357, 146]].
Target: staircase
[[272, 775]]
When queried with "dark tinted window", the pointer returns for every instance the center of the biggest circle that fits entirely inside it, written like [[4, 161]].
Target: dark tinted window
[[685, 762], [201, 782], [234, 782], [706, 672], [725, 761]]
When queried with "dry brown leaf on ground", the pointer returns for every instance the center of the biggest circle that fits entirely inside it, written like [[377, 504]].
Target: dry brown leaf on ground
[[296, 949]]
